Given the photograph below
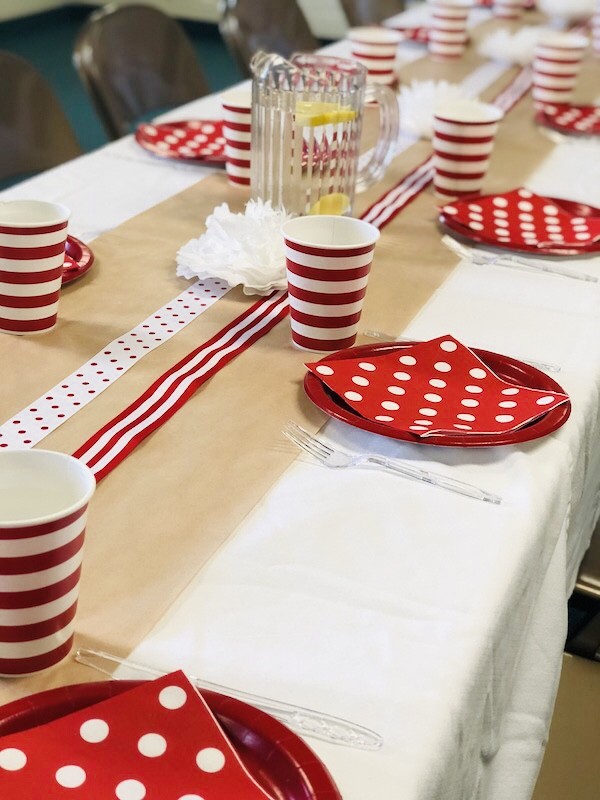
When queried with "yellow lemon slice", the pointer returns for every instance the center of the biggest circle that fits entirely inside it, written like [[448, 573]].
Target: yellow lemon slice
[[335, 204], [312, 113]]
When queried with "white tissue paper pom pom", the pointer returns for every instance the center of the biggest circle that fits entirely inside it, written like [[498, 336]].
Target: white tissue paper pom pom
[[418, 101], [241, 249], [512, 48]]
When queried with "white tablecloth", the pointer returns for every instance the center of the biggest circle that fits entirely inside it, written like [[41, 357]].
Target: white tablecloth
[[434, 619]]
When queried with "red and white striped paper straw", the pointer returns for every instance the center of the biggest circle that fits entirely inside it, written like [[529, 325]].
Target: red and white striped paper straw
[[237, 119], [463, 141], [448, 28], [328, 259], [43, 510], [32, 253], [556, 66], [375, 48]]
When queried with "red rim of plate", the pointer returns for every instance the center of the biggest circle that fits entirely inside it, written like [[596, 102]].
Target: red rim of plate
[[509, 369], [82, 260], [570, 206], [216, 158], [548, 121], [275, 757]]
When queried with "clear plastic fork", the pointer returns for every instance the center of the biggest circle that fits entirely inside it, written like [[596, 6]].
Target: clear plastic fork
[[481, 257], [337, 459]]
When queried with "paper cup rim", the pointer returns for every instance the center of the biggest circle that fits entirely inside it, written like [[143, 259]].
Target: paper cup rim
[[310, 242], [64, 512], [238, 98], [61, 213], [563, 41], [457, 113], [374, 35]]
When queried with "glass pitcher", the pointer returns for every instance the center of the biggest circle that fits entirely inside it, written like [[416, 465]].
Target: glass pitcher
[[307, 118]]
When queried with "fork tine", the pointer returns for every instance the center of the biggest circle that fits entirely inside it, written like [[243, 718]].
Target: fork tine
[[306, 437], [304, 445]]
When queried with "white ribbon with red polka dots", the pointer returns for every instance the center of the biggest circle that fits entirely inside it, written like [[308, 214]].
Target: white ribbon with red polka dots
[[33, 423]]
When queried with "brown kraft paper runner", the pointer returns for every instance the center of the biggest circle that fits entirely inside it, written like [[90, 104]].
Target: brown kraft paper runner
[[158, 518]]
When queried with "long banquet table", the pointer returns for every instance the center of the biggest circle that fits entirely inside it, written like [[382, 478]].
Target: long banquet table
[[214, 546]]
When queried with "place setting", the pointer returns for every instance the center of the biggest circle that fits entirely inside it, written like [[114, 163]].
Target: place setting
[[509, 225], [162, 737], [438, 393], [150, 733], [557, 62]]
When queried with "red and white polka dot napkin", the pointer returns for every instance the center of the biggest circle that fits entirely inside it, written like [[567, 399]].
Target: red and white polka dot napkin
[[523, 218], [434, 388], [158, 740], [192, 140], [569, 118]]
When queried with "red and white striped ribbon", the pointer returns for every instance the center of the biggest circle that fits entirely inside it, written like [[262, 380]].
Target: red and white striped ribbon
[[110, 445], [40, 570]]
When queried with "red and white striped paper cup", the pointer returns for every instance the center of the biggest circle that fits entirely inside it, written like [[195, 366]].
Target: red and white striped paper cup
[[237, 119], [43, 507], [556, 66], [376, 48], [328, 259], [448, 28], [32, 253], [463, 140], [508, 9]]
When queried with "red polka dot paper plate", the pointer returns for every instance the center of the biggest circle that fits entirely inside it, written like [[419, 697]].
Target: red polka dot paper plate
[[525, 222], [189, 140], [267, 759], [578, 120], [78, 260], [437, 396]]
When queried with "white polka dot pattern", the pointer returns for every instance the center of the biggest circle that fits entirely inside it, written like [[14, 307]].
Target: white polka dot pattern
[[94, 731], [533, 222], [159, 739], [192, 140], [468, 393], [568, 118], [33, 423]]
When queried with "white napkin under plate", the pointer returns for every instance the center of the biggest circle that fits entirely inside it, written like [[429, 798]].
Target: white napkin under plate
[[241, 249]]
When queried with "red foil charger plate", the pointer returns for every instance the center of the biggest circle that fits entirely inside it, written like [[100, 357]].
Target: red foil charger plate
[[572, 206], [78, 260], [509, 369], [276, 758]]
